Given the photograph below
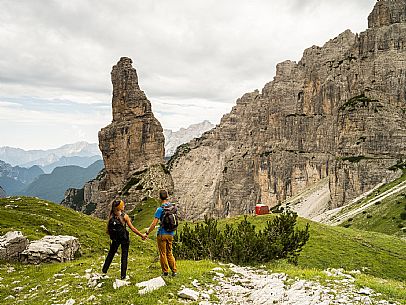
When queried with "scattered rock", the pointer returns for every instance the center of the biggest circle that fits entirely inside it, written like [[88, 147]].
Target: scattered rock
[[91, 298], [366, 291], [93, 279], [10, 297], [255, 286], [18, 289], [150, 285], [187, 293], [45, 229], [120, 283]]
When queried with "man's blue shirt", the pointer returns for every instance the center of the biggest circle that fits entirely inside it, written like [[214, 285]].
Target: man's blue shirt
[[158, 214]]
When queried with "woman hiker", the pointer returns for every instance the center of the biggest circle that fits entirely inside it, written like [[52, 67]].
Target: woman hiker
[[116, 227]]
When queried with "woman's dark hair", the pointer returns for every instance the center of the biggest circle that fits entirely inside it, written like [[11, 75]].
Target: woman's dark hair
[[163, 194], [114, 205]]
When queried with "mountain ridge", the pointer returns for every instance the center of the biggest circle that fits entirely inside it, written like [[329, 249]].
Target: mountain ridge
[[18, 156], [175, 138], [52, 186]]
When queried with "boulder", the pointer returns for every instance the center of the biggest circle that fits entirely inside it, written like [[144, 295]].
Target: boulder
[[51, 249], [12, 244]]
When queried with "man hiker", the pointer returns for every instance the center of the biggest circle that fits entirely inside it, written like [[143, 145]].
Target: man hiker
[[166, 214]]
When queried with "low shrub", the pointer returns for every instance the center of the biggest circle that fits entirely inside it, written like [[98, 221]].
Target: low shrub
[[242, 244]]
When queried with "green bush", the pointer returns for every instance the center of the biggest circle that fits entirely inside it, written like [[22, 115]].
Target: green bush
[[242, 244], [403, 215]]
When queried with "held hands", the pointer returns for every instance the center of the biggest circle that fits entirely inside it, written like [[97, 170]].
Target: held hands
[[144, 236]]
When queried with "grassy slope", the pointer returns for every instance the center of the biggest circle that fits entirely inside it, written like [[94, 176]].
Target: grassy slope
[[382, 217], [384, 256], [378, 254]]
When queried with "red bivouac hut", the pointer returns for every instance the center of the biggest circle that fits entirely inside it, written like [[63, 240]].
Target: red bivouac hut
[[261, 209]]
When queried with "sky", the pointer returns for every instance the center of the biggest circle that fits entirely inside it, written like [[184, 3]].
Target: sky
[[193, 58]]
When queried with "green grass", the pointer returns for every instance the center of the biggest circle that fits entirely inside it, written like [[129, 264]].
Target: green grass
[[377, 254], [380, 257], [28, 214], [384, 217], [143, 214]]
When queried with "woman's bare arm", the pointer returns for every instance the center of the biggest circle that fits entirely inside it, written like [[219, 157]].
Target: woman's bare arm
[[134, 229]]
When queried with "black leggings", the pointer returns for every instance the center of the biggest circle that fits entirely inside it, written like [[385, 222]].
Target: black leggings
[[124, 256]]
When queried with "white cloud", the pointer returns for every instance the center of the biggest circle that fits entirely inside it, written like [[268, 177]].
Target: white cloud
[[201, 53]]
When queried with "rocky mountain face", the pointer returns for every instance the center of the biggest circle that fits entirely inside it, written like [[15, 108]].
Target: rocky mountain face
[[132, 147], [338, 114], [175, 138], [28, 158]]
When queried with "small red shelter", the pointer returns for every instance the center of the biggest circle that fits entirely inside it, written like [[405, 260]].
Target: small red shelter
[[261, 209]]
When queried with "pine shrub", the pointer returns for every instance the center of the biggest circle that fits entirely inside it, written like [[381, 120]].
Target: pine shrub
[[243, 244]]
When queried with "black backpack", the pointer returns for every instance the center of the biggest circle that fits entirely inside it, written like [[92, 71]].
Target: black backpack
[[169, 218], [117, 229]]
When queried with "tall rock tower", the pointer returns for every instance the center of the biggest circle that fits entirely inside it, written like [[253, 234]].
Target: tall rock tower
[[132, 147], [335, 118], [134, 140]]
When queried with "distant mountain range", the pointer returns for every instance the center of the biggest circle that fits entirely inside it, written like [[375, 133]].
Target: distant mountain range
[[14, 178], [43, 158], [53, 186], [184, 135]]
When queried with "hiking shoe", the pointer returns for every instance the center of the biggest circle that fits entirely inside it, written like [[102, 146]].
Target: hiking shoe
[[165, 274], [174, 274]]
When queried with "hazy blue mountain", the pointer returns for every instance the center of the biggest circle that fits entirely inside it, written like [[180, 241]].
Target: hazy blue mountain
[[15, 178], [27, 158], [76, 160], [10, 185], [53, 186]]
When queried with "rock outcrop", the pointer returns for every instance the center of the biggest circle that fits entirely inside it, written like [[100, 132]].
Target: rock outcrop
[[12, 244], [132, 147], [51, 248], [337, 114]]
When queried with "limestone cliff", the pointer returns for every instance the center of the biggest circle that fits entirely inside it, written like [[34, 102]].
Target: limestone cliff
[[132, 147], [337, 114]]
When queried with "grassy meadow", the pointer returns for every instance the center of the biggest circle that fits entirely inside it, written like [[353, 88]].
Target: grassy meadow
[[381, 258]]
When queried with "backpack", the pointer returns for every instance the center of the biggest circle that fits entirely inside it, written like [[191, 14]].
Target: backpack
[[117, 229], [169, 218]]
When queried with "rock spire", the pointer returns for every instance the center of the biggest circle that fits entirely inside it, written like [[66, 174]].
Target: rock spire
[[132, 147]]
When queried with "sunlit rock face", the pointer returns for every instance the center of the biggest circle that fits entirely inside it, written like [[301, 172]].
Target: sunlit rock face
[[337, 114]]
